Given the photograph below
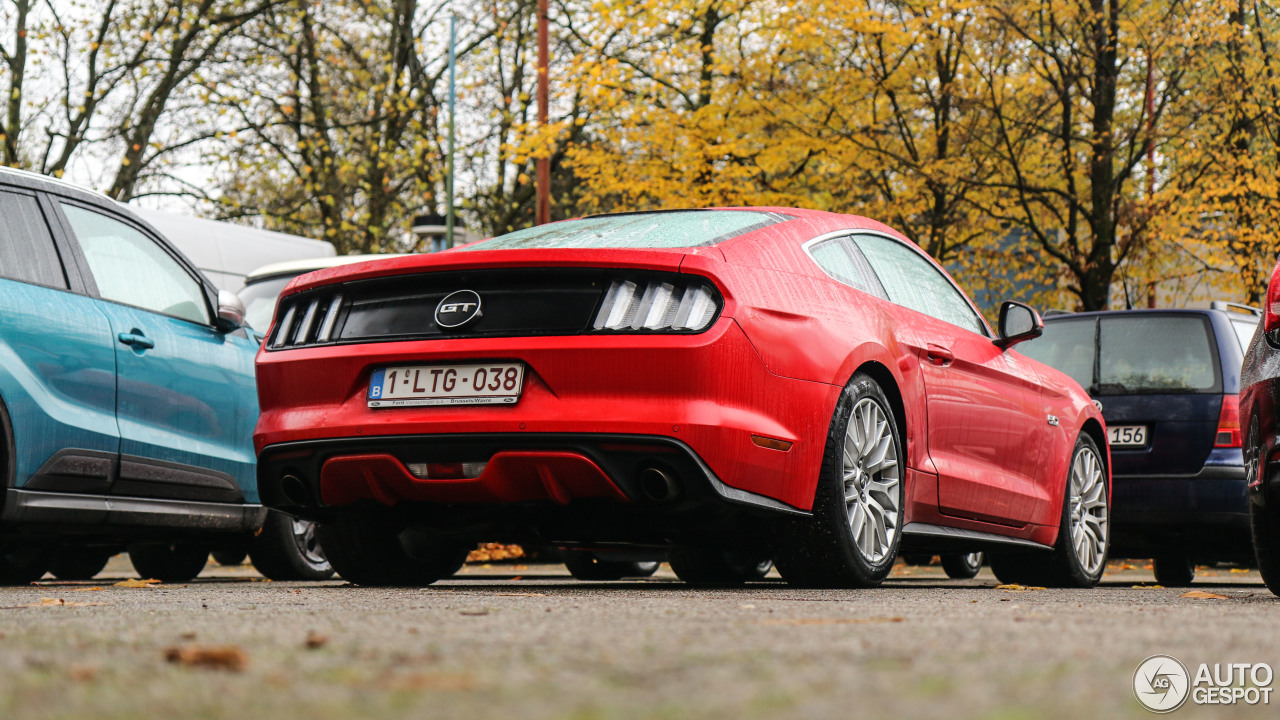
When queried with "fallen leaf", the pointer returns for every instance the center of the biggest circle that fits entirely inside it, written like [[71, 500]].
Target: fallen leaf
[[92, 589], [833, 621], [429, 681], [216, 657], [520, 594], [518, 577], [59, 602], [316, 640], [1014, 587], [474, 612], [188, 635], [1152, 586], [132, 583], [1238, 571], [83, 673], [1203, 595]]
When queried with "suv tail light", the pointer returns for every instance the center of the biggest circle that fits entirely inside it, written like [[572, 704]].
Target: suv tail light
[[1228, 423], [1271, 312]]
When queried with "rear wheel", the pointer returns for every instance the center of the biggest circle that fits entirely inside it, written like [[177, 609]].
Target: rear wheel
[[586, 565], [287, 549], [169, 562], [917, 559], [698, 566], [962, 567], [852, 539], [367, 549], [22, 566], [78, 563], [1263, 523], [1174, 570]]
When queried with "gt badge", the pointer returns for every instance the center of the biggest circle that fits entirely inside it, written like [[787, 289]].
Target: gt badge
[[458, 308]]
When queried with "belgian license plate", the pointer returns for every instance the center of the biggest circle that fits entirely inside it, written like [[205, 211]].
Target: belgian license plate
[[1127, 435], [494, 383]]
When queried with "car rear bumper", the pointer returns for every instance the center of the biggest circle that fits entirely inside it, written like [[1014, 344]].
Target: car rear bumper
[[1205, 515], [710, 393], [68, 513], [556, 486]]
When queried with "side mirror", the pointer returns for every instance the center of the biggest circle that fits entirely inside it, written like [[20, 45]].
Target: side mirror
[[1018, 322], [230, 311]]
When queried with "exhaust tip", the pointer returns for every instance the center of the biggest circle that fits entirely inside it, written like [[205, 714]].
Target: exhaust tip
[[658, 485], [294, 490]]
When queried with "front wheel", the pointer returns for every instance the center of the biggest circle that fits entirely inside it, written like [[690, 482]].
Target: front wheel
[[698, 566], [78, 563], [586, 565], [1174, 570], [853, 537], [287, 549], [962, 567], [367, 549], [169, 562]]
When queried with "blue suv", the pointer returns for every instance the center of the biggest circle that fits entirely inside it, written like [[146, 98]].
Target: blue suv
[[127, 395], [1168, 383]]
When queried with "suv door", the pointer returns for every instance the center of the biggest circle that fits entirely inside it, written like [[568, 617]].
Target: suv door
[[987, 428], [186, 400], [57, 364]]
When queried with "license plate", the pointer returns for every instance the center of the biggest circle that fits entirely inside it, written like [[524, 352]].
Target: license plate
[[495, 383], [1127, 435]]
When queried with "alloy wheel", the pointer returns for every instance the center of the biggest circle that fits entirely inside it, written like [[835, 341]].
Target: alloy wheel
[[871, 476], [304, 536], [1088, 503]]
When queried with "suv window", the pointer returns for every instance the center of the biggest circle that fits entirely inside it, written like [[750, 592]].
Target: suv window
[[841, 260], [27, 252], [1067, 345], [912, 281], [130, 268]]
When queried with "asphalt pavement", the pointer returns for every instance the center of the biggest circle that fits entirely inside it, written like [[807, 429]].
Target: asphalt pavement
[[528, 641]]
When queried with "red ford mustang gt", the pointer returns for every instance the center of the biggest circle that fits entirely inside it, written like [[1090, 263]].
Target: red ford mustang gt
[[727, 386]]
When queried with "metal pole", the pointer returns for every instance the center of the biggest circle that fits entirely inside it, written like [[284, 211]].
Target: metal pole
[[543, 163], [448, 191]]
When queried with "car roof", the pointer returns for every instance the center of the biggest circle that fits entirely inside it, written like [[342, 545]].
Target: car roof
[[290, 268], [1055, 316]]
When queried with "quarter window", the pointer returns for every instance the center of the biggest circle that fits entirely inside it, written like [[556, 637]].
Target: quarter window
[[27, 252], [913, 282], [839, 259], [130, 268]]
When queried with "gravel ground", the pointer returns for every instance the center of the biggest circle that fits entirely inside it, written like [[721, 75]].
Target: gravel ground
[[530, 642]]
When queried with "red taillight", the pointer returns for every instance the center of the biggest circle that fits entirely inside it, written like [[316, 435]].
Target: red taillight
[[1229, 423], [1271, 314]]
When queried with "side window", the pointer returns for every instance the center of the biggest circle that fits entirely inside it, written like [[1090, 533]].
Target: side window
[[27, 252], [841, 260], [912, 281], [131, 268]]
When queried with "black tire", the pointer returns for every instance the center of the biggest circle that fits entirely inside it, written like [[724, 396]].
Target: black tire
[[962, 567], [231, 557], [22, 566], [1174, 570], [1263, 524], [586, 565], [1021, 568], [169, 562], [822, 551], [78, 563], [698, 566], [368, 549], [287, 549], [917, 559]]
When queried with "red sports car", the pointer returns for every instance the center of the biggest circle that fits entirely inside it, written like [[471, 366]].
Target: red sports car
[[726, 386]]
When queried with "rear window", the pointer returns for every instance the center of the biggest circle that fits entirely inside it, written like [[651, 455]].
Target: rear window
[[674, 229], [1135, 354], [1168, 353]]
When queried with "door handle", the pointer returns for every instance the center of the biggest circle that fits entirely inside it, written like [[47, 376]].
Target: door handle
[[939, 355], [137, 340]]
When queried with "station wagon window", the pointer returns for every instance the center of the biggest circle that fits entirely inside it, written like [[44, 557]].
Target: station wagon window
[[27, 252], [841, 260], [913, 282], [130, 268], [1155, 354]]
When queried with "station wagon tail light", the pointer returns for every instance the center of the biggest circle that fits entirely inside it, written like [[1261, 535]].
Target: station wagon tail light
[[657, 305], [1271, 316], [1229, 423]]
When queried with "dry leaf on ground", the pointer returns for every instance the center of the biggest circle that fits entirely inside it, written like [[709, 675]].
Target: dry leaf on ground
[[1204, 595], [1014, 587], [429, 681], [59, 602], [316, 640], [132, 583], [217, 657]]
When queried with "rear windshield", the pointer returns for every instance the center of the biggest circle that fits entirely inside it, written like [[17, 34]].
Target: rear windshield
[[1132, 354], [674, 229]]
